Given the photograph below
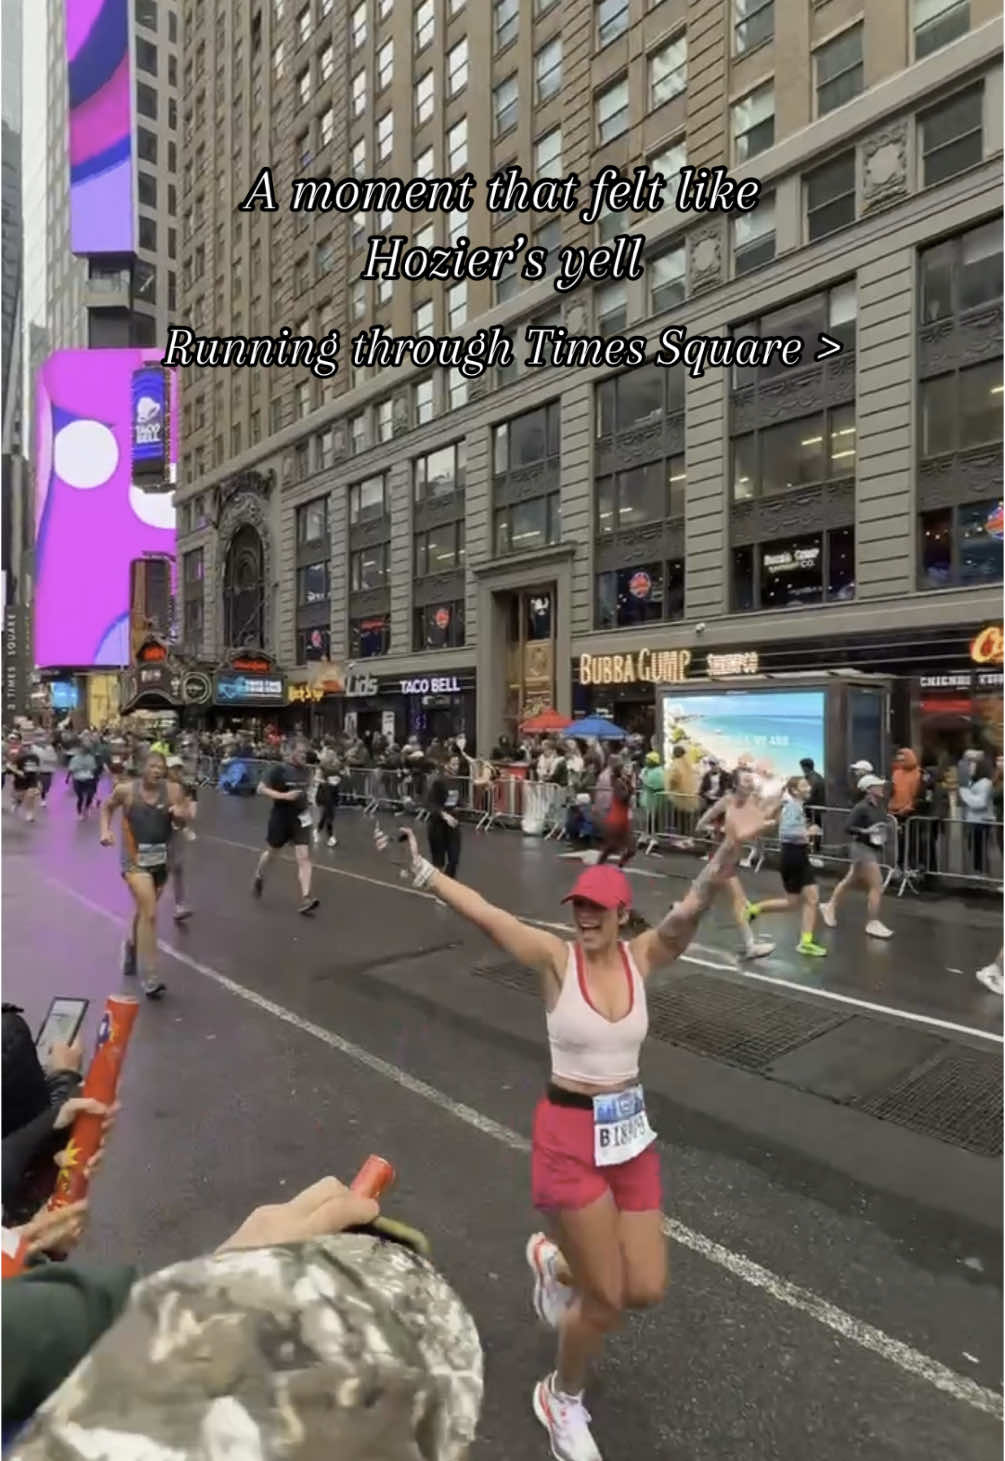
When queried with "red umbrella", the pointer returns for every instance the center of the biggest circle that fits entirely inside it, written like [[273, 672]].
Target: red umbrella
[[548, 720]]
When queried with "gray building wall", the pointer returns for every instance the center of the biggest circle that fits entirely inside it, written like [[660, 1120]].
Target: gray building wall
[[895, 216]]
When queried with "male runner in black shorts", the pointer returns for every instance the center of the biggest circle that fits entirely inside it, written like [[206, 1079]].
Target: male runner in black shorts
[[27, 769], [290, 821]]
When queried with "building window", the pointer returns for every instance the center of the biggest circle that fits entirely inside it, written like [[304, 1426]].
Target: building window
[[637, 398], [457, 67], [833, 311], [548, 154], [815, 568], [439, 626], [424, 24], [457, 147], [422, 402], [439, 550], [960, 546], [754, 236], [830, 196], [668, 72], [640, 594], [312, 584], [424, 164], [359, 26], [457, 305], [611, 109], [357, 158], [548, 71], [359, 431], [506, 101], [422, 318], [612, 309], [839, 70], [326, 63], [304, 87], [937, 22], [961, 273], [369, 637], [304, 26], [506, 19], [368, 500], [313, 644], [326, 456], [146, 145], [612, 20], [527, 439], [457, 390], [650, 494], [961, 409], [359, 93], [549, 237], [385, 65], [424, 98], [369, 568], [669, 163], [147, 234], [952, 137], [146, 56], [440, 473], [385, 136], [794, 454], [667, 273], [753, 24], [754, 122], [508, 283], [385, 421], [524, 526]]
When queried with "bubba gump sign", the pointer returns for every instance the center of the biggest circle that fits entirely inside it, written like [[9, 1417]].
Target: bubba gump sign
[[648, 666]]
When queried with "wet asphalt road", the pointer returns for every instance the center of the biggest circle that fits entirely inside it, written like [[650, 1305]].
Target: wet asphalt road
[[835, 1281]]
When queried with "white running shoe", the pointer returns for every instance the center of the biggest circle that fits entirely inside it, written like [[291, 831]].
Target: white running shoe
[[567, 1421], [991, 978], [758, 948], [551, 1298], [828, 915], [877, 929], [332, 841]]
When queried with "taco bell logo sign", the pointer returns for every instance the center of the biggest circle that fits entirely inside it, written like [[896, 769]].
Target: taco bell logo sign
[[149, 423]]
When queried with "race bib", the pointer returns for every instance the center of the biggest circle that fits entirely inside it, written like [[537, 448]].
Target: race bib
[[877, 836], [151, 854], [334, 780], [305, 819], [452, 798], [621, 1127]]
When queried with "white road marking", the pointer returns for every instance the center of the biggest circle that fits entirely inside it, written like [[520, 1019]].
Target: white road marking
[[866, 1336], [738, 967]]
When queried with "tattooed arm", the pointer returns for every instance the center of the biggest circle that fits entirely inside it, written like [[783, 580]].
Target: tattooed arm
[[660, 946]]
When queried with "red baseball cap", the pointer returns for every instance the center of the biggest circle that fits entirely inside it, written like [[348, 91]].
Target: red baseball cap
[[604, 885]]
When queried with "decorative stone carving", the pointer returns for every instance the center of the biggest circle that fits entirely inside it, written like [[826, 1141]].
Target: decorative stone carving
[[365, 535], [792, 514], [884, 167], [340, 441], [525, 482], [575, 317], [796, 393], [441, 588], [951, 344], [399, 414], [370, 601], [247, 506], [959, 477], [705, 257]]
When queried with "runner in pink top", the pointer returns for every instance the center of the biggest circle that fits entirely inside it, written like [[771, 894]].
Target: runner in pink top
[[594, 1166]]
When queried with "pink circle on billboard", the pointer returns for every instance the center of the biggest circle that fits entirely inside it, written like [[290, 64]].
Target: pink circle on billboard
[[442, 618], [640, 585]]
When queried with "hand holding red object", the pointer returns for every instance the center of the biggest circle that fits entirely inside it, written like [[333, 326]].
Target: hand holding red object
[[100, 1086]]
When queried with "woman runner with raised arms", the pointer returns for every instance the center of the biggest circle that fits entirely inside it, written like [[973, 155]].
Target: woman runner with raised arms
[[594, 1169]]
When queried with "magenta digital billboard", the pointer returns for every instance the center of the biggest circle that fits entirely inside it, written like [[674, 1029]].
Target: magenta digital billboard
[[102, 215], [92, 516]]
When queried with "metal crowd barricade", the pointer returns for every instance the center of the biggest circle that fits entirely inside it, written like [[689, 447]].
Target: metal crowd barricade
[[962, 854]]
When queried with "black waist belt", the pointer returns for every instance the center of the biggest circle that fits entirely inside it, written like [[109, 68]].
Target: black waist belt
[[559, 1096]]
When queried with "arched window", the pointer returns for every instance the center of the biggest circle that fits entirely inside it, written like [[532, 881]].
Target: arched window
[[244, 591]]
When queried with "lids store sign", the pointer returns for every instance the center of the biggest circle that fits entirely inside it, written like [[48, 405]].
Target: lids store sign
[[651, 666]]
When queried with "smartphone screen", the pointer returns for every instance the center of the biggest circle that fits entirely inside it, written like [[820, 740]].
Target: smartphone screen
[[60, 1026]]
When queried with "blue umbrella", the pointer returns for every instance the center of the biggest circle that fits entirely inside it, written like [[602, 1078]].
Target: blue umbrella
[[594, 727]]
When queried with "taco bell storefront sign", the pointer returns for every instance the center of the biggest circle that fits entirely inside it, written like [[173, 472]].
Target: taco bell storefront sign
[[431, 685]]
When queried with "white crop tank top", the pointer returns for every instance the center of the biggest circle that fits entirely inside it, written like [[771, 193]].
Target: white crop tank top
[[585, 1046]]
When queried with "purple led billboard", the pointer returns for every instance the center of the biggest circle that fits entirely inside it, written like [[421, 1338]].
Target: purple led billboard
[[102, 216], [91, 517]]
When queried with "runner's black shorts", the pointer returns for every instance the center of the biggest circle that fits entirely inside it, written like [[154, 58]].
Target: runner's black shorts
[[282, 832], [796, 871], [158, 875]]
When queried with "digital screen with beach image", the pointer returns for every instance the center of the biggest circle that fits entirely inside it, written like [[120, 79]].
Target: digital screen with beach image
[[778, 728]]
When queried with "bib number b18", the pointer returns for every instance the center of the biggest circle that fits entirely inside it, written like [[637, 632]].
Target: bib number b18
[[621, 1127]]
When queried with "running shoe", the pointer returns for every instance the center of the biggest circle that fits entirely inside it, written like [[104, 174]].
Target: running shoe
[[309, 905], [758, 949], [991, 978], [256, 886], [828, 915], [567, 1421], [551, 1297], [332, 841], [878, 930], [154, 988], [808, 945], [128, 960], [181, 913], [752, 911]]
